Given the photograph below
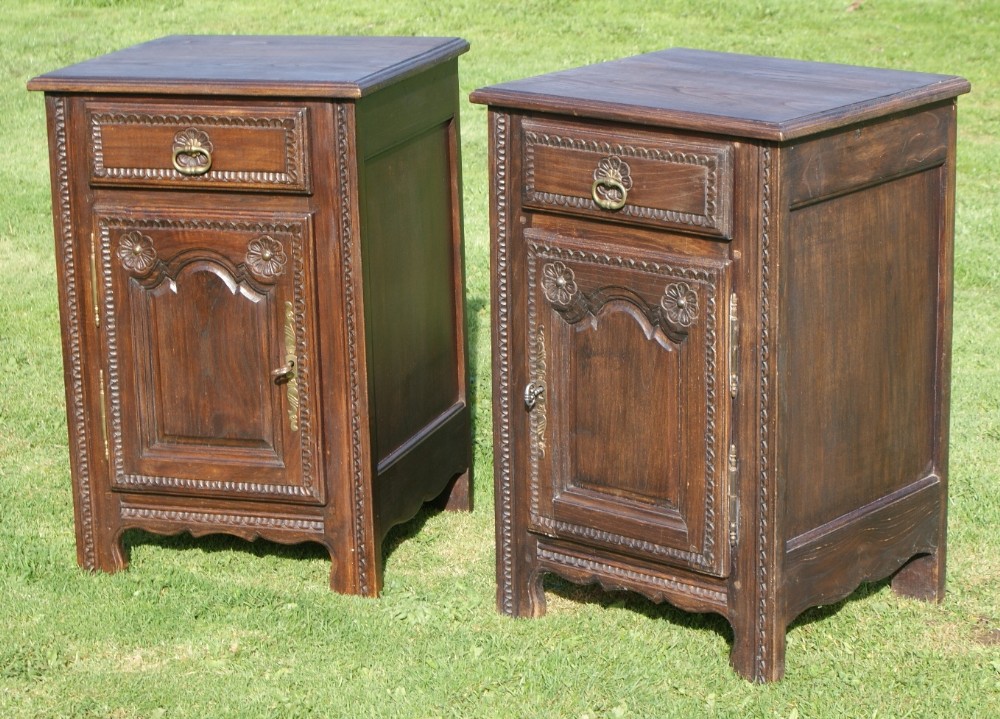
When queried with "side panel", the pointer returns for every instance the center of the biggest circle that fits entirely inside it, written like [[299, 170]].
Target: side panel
[[411, 244], [859, 312]]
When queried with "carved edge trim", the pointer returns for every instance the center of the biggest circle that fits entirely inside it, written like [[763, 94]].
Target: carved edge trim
[[711, 435], [145, 480], [711, 162], [504, 499], [220, 518], [361, 542], [764, 581], [537, 374], [121, 477], [77, 410], [294, 127], [706, 557], [603, 569]]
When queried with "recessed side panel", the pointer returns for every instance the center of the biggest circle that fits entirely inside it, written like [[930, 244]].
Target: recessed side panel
[[410, 294], [858, 309]]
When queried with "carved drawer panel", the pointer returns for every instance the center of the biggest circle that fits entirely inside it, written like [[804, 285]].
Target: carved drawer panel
[[629, 176], [199, 145]]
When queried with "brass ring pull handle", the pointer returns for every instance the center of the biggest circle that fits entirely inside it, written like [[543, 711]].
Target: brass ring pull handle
[[531, 394], [616, 193], [192, 152], [284, 374]]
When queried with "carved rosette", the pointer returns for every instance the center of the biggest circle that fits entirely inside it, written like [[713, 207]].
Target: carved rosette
[[613, 178], [266, 257], [136, 252], [680, 304], [558, 283]]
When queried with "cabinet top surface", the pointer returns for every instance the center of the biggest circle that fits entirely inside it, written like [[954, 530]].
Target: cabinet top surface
[[303, 66], [758, 97]]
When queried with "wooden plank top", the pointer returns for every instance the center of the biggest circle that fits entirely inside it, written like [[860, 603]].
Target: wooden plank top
[[299, 66], [715, 92]]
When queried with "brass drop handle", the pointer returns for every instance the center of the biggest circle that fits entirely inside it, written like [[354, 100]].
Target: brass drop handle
[[531, 394], [616, 188], [284, 373], [192, 152], [199, 162]]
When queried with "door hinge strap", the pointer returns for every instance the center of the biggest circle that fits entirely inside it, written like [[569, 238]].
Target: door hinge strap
[[734, 346], [93, 282], [292, 380], [104, 415], [734, 499]]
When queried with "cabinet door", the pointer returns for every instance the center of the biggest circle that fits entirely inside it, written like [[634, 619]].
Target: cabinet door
[[207, 328], [627, 404]]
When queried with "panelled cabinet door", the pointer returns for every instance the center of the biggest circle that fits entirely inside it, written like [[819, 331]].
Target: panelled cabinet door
[[627, 402], [207, 325]]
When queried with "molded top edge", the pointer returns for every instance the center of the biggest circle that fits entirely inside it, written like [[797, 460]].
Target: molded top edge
[[725, 93], [263, 65]]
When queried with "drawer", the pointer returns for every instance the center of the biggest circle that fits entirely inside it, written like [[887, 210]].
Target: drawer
[[631, 176], [199, 145]]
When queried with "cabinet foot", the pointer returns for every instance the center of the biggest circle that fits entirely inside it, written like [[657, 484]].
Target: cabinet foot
[[524, 597], [351, 573], [457, 496], [759, 656], [107, 555], [922, 577]]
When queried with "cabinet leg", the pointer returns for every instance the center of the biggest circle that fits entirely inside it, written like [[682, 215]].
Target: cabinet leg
[[922, 577], [520, 592], [759, 656], [109, 557], [357, 573], [457, 496], [104, 551]]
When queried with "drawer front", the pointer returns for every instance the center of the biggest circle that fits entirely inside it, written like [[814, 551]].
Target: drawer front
[[199, 145], [630, 176]]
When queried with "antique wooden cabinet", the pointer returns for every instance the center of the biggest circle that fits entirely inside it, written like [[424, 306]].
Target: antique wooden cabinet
[[259, 248], [721, 326]]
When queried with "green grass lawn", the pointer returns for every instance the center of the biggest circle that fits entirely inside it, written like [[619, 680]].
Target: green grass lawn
[[217, 627]]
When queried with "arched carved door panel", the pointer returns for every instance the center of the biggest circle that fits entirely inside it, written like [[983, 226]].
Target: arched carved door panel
[[626, 401]]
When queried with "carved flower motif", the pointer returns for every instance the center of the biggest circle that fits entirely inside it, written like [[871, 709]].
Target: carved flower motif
[[612, 169], [558, 283], [136, 252], [266, 257], [680, 304]]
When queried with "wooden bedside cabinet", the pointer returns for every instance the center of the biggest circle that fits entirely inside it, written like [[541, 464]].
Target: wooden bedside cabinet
[[722, 325], [259, 248]]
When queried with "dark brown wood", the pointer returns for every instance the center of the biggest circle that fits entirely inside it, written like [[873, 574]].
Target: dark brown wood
[[318, 66], [727, 387], [273, 344], [753, 97]]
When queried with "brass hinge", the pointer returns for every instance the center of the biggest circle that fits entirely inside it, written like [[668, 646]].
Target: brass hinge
[[93, 282], [734, 347], [734, 498]]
